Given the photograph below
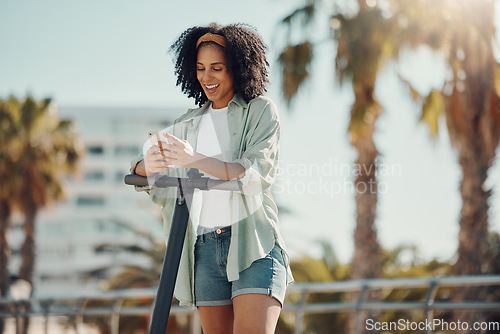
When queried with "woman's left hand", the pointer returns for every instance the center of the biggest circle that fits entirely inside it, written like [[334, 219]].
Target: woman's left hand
[[180, 152]]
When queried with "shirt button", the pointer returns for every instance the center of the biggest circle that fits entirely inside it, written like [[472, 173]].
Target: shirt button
[[218, 231]]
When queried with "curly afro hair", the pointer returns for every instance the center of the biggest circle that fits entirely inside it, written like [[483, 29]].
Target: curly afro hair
[[245, 54]]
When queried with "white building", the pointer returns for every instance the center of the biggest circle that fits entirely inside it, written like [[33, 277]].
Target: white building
[[97, 203]]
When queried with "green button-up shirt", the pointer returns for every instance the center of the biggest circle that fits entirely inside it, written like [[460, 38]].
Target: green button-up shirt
[[254, 129]]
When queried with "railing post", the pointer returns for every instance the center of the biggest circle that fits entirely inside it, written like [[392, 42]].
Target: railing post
[[195, 323], [299, 321], [18, 318], [79, 316], [115, 316], [46, 311], [359, 312], [299, 315], [21, 313], [429, 300]]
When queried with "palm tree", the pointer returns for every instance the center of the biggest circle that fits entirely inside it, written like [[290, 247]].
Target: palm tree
[[463, 31], [50, 149], [42, 149], [364, 41], [470, 103], [9, 191]]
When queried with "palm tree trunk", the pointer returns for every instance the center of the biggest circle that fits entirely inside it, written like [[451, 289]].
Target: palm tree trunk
[[27, 269], [367, 258], [474, 251], [30, 209], [4, 247], [472, 117], [366, 262], [4, 253]]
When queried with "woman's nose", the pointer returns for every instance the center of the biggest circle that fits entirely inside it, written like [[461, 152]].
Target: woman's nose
[[206, 76]]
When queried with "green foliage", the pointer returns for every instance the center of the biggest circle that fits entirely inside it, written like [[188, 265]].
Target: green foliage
[[432, 110], [326, 269], [400, 262], [152, 249], [295, 60], [364, 41], [149, 246], [38, 150]]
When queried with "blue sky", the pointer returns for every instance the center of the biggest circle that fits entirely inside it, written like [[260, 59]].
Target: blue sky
[[114, 53]]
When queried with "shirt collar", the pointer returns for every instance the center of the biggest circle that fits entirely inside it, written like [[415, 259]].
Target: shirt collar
[[238, 100], [194, 113]]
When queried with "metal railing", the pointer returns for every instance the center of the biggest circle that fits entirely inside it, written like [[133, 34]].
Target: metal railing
[[79, 306], [428, 305]]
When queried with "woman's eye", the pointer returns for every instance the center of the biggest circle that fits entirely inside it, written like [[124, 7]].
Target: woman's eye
[[199, 69], [217, 69]]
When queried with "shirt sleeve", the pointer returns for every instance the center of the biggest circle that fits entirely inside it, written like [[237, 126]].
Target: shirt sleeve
[[261, 151], [133, 165]]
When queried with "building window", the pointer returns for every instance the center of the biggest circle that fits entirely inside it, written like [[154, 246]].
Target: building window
[[95, 149], [127, 150], [94, 176], [90, 201], [120, 176]]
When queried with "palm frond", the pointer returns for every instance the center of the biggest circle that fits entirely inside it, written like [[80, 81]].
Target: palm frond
[[432, 110], [414, 93], [295, 63], [302, 15]]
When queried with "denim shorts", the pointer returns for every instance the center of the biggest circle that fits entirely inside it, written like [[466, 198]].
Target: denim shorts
[[211, 287]]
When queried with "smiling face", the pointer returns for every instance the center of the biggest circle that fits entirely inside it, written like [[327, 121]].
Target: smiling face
[[213, 75]]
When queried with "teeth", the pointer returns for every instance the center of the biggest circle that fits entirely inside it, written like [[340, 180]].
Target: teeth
[[211, 86]]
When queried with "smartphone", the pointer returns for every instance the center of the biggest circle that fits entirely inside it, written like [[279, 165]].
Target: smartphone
[[154, 133], [157, 136]]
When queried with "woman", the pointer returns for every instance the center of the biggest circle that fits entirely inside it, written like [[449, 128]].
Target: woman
[[233, 267]]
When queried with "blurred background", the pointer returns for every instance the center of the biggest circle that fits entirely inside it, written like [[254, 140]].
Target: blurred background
[[390, 129]]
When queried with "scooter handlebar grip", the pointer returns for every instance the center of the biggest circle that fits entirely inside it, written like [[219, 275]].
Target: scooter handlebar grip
[[136, 180]]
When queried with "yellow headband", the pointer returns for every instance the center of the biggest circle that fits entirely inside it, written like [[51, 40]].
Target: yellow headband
[[208, 37]]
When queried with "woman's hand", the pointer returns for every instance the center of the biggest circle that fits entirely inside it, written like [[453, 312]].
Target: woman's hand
[[180, 152], [156, 161]]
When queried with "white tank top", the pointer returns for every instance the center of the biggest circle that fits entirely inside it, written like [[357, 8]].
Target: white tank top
[[214, 141]]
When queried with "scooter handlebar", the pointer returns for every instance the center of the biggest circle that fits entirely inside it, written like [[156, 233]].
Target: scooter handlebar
[[203, 183]]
